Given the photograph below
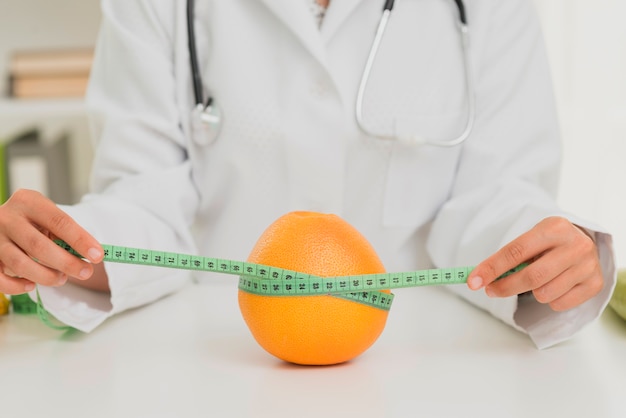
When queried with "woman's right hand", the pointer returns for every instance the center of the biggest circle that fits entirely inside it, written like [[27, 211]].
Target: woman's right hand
[[28, 224]]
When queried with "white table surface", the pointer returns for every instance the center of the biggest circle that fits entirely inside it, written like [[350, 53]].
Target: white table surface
[[191, 355]]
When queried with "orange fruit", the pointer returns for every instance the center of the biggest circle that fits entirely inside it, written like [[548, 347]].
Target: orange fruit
[[313, 330]]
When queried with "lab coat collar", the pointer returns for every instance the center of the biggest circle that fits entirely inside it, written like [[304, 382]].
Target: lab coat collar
[[337, 12], [296, 16]]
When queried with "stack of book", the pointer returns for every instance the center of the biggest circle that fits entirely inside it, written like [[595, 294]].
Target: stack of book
[[52, 73]]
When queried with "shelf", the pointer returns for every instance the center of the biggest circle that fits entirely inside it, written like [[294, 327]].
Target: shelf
[[41, 107]]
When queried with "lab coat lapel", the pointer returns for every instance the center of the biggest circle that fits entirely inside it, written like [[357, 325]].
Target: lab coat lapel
[[337, 12], [295, 15]]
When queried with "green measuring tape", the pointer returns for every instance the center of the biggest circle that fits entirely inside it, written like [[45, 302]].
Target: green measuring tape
[[273, 281], [23, 304]]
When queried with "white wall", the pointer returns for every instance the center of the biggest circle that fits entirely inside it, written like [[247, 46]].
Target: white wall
[[586, 42]]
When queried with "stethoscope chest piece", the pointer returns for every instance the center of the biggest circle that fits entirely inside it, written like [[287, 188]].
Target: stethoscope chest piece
[[206, 123]]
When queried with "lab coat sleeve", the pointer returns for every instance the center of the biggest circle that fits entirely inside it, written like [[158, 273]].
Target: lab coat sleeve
[[142, 194], [508, 173]]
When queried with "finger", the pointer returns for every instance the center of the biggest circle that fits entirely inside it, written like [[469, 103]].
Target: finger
[[587, 279], [19, 264], [48, 216], [538, 273], [578, 295], [15, 285], [51, 258], [524, 248], [577, 275]]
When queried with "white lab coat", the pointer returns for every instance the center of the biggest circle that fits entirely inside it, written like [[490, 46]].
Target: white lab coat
[[289, 141]]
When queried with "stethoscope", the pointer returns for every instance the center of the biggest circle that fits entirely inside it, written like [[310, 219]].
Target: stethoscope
[[209, 115]]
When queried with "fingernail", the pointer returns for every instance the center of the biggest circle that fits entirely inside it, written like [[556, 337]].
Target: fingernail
[[85, 273], [94, 254], [490, 292], [29, 286], [475, 282], [62, 279]]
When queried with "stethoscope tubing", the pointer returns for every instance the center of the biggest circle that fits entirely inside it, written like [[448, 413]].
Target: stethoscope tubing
[[212, 115], [469, 83], [193, 53], [371, 57]]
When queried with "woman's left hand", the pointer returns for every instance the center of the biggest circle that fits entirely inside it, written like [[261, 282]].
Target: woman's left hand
[[564, 267]]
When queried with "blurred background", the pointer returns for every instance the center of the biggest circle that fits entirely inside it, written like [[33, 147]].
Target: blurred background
[[41, 25], [587, 50], [586, 41]]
